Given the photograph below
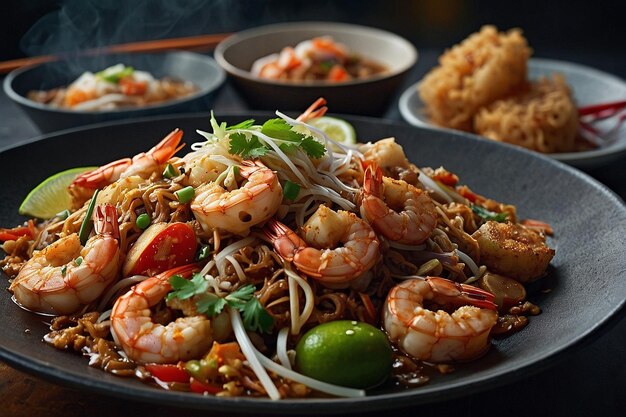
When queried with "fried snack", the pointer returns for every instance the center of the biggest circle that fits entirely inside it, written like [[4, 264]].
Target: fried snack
[[486, 66], [544, 118]]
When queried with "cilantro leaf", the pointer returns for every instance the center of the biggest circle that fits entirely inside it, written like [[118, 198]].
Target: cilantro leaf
[[252, 148], [210, 304], [255, 317], [238, 144], [312, 147], [255, 148], [489, 215], [280, 129], [288, 148], [184, 289], [239, 298]]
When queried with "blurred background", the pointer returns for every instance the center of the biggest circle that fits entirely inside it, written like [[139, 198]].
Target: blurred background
[[554, 29]]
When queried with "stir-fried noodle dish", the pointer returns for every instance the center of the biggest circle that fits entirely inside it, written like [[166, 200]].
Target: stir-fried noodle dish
[[116, 87], [271, 261], [317, 59]]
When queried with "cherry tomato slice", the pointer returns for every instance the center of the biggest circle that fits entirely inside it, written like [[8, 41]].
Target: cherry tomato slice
[[161, 247]]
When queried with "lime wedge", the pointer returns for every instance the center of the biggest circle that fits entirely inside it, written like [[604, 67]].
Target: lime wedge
[[51, 196], [337, 129]]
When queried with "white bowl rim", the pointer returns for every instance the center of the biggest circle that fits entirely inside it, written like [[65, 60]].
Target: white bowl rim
[[312, 25], [216, 83]]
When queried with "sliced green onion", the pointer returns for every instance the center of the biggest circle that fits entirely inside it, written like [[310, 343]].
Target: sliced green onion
[[489, 215], [87, 224], [78, 261], [204, 252], [291, 190], [115, 73], [63, 214], [185, 195], [143, 221], [170, 171], [64, 270]]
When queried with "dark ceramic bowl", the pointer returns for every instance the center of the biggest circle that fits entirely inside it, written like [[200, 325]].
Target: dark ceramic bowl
[[201, 70], [587, 277], [368, 96]]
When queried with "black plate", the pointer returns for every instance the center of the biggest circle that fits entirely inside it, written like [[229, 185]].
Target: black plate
[[587, 275]]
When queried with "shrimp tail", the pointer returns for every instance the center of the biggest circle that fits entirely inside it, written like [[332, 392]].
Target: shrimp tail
[[373, 179], [184, 270], [106, 221], [286, 242], [165, 149], [102, 176], [462, 294], [317, 109]]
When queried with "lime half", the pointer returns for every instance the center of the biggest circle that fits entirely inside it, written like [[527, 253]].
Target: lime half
[[337, 129], [51, 196]]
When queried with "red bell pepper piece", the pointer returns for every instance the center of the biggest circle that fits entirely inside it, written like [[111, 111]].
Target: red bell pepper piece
[[168, 373], [17, 232], [201, 387]]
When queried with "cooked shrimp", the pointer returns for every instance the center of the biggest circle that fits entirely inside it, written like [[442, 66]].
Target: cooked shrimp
[[322, 48], [437, 336], [143, 164], [513, 250], [85, 88], [146, 341], [65, 276], [386, 153], [277, 66], [114, 193], [238, 210], [381, 196], [358, 253], [296, 63]]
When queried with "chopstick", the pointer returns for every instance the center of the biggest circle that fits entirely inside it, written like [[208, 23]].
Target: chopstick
[[201, 43]]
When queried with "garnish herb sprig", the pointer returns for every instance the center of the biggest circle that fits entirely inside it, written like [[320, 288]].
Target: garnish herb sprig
[[255, 317], [246, 138]]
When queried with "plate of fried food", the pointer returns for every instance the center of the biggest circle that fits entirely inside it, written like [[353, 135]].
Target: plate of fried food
[[489, 85]]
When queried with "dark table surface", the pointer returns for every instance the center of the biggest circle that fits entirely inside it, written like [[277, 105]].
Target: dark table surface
[[588, 381]]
